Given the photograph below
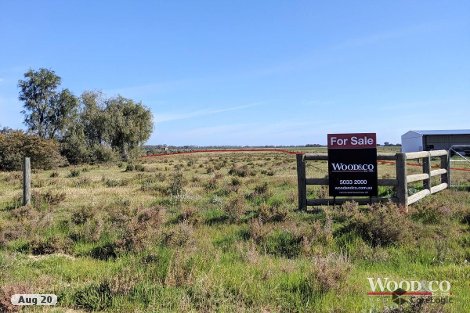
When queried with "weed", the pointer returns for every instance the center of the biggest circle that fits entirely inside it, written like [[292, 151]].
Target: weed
[[330, 271], [180, 270], [94, 297], [123, 282], [283, 243]]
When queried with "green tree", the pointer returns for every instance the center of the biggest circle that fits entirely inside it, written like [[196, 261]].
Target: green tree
[[48, 112], [93, 117], [129, 125]]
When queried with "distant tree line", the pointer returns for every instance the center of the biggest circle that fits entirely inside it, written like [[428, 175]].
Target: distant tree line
[[89, 128]]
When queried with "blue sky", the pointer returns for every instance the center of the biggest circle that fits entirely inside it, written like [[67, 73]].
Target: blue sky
[[251, 72]]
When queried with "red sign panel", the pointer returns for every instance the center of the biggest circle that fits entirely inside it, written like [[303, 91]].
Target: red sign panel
[[352, 141]]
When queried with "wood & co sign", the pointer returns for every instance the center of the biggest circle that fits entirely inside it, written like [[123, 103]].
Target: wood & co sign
[[352, 164]]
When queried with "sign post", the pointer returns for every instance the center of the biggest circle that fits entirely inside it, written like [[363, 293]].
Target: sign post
[[352, 164]]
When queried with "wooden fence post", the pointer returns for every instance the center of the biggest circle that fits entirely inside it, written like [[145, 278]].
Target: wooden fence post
[[445, 178], [26, 181], [301, 182], [427, 170], [402, 187]]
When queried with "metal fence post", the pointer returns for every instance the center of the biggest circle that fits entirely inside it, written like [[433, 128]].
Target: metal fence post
[[27, 181]]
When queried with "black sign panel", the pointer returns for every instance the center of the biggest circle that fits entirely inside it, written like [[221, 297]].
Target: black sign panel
[[352, 164]]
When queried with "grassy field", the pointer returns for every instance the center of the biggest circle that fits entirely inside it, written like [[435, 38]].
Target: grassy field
[[220, 233]]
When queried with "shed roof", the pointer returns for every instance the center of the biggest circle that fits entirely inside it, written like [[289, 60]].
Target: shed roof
[[443, 132]]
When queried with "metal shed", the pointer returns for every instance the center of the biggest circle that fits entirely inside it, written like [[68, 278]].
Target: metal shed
[[419, 140]]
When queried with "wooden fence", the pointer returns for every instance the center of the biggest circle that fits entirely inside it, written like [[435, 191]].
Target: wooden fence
[[399, 184]]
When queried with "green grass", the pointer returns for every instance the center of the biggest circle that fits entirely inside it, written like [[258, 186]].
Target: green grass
[[219, 233]]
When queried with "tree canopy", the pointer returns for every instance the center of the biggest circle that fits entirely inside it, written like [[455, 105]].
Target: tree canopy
[[89, 128], [48, 112]]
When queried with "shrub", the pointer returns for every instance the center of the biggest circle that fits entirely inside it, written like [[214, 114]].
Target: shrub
[[143, 227], [177, 183], [45, 246], [135, 167], [115, 183], [241, 171], [74, 173], [179, 235], [466, 218], [346, 211], [235, 182], [269, 213], [6, 292], [431, 213], [188, 214], [261, 189], [257, 230], [39, 199], [261, 193], [140, 168], [380, 224], [211, 184], [16, 145], [101, 153], [104, 252], [80, 216], [234, 209]]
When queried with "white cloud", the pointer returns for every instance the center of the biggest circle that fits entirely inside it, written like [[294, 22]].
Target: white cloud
[[146, 89], [168, 117]]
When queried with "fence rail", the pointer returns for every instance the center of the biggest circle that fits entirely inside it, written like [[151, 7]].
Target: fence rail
[[400, 183]]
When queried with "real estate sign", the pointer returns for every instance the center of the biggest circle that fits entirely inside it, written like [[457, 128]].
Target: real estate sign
[[352, 164]]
